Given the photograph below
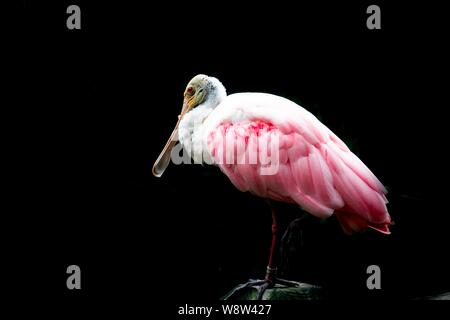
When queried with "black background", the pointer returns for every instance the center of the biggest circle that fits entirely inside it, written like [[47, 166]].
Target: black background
[[92, 109]]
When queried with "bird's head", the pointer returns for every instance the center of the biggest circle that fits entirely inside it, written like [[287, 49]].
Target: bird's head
[[201, 90], [195, 93]]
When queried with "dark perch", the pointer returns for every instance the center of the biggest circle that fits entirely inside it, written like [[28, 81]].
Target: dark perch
[[443, 296]]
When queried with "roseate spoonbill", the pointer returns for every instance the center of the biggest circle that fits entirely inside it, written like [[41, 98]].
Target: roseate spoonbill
[[312, 168]]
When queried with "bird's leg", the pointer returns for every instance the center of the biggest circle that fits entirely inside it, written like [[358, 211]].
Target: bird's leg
[[271, 271], [271, 279]]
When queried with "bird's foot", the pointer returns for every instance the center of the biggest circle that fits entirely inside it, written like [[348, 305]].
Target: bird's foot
[[261, 286]]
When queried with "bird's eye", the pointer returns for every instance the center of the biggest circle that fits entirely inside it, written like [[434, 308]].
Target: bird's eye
[[190, 91]]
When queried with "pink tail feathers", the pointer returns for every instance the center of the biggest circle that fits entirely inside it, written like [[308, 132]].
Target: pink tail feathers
[[353, 222], [362, 192]]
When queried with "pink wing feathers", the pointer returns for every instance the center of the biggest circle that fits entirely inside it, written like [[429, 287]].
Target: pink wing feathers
[[316, 170]]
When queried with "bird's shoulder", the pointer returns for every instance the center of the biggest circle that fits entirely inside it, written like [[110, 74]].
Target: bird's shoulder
[[258, 106]]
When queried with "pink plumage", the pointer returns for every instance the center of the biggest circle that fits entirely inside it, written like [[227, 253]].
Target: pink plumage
[[316, 169]]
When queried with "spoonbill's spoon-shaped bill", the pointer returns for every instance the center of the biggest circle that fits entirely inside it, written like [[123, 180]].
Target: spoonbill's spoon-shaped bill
[[163, 160]]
